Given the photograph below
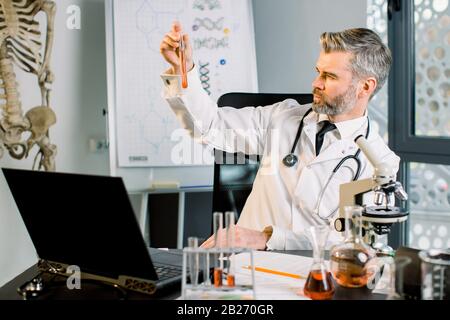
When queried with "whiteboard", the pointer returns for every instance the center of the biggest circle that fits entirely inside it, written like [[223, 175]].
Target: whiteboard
[[143, 131]]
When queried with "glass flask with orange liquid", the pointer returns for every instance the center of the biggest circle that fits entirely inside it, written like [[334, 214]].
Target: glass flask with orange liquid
[[351, 260], [319, 284]]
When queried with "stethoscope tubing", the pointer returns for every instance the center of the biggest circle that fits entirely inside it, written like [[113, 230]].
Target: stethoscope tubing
[[290, 163]]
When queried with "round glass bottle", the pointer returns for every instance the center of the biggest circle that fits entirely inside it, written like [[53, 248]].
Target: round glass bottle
[[351, 259]]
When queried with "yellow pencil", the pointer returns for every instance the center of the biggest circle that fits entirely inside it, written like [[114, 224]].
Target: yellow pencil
[[279, 273]]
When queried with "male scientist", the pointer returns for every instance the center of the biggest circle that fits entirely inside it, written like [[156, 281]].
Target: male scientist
[[299, 145]]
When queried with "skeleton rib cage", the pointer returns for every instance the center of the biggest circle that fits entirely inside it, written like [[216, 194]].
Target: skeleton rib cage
[[20, 45]]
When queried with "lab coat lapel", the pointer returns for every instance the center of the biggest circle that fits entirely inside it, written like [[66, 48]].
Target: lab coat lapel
[[310, 128]]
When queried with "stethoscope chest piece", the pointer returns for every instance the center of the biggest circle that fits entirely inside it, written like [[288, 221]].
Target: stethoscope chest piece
[[290, 160]]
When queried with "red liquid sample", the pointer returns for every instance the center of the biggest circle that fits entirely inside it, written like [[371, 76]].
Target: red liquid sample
[[319, 285], [230, 280], [217, 277]]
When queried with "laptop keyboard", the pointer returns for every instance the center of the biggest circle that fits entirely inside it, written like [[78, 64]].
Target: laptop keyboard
[[165, 272]]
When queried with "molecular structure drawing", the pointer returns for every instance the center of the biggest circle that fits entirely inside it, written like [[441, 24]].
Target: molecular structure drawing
[[153, 17]]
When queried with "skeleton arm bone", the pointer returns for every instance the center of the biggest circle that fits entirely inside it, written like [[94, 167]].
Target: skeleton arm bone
[[45, 75]]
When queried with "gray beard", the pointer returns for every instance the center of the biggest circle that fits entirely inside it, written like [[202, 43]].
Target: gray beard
[[339, 105], [328, 109]]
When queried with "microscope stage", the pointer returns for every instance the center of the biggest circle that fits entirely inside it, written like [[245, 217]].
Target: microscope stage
[[381, 214]]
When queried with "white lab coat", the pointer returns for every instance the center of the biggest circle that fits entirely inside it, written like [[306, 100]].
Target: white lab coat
[[284, 198]]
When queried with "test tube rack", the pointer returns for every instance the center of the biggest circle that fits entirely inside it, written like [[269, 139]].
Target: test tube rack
[[217, 285]]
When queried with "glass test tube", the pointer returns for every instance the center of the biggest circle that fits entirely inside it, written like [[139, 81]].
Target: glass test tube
[[206, 271], [229, 225], [193, 261], [218, 261]]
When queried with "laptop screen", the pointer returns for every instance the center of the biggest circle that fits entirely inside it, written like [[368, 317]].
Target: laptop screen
[[81, 220]]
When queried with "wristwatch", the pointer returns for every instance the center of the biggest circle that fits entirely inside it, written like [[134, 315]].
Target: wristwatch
[[268, 232]]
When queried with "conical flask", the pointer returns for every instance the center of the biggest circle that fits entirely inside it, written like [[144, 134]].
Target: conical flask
[[319, 285], [350, 260]]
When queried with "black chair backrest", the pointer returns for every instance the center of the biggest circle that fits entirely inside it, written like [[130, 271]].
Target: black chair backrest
[[233, 180]]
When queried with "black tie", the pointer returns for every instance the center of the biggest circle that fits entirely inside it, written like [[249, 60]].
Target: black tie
[[327, 126]]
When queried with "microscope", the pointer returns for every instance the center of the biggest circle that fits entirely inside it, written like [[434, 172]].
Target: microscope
[[377, 220]]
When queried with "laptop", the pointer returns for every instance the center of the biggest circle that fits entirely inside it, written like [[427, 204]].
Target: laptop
[[88, 221]]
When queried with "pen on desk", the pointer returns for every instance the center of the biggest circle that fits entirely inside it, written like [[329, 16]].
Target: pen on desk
[[184, 82], [276, 272]]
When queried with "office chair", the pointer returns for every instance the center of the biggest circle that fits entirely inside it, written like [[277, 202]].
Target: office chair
[[233, 180]]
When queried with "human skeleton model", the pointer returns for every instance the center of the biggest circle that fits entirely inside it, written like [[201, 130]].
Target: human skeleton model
[[20, 45]]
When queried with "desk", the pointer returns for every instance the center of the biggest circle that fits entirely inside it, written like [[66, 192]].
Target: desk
[[9, 290]]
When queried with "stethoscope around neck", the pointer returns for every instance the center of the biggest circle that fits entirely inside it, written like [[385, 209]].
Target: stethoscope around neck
[[291, 160]]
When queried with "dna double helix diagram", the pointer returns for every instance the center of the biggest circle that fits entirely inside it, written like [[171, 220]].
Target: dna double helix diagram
[[208, 24], [206, 4], [204, 76], [211, 43]]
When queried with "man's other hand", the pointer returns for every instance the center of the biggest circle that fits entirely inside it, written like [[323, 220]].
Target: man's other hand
[[243, 238]]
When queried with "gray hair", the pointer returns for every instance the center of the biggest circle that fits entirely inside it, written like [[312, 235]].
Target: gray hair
[[371, 58]]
